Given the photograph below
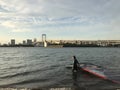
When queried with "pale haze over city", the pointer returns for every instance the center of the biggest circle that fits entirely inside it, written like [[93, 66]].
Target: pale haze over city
[[59, 19]]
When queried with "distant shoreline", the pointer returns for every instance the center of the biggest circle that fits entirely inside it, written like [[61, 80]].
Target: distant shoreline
[[62, 46]]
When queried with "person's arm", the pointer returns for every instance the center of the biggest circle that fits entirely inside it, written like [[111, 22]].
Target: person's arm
[[77, 62]]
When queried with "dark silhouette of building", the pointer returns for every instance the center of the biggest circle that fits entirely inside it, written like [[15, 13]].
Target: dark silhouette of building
[[12, 42]]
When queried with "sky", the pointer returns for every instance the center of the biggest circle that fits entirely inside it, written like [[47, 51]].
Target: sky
[[59, 19]]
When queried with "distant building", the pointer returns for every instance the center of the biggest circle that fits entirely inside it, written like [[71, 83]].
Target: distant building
[[35, 40], [12, 41], [29, 42], [24, 42]]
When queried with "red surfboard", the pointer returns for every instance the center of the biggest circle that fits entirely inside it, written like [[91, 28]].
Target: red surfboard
[[95, 70]]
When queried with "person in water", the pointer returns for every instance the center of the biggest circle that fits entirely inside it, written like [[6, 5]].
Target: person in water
[[75, 64]]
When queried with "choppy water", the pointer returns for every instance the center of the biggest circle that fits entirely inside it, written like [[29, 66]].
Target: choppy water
[[46, 67]]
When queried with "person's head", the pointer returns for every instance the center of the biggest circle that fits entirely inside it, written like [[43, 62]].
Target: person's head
[[74, 57]]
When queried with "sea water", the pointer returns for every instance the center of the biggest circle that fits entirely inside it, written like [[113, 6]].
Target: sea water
[[37, 67]]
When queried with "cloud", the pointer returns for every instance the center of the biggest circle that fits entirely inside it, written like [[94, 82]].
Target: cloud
[[59, 8], [63, 8], [13, 22], [9, 24], [2, 9], [6, 8], [21, 30], [86, 17]]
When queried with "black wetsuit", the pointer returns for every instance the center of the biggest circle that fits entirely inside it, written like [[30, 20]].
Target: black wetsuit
[[75, 64]]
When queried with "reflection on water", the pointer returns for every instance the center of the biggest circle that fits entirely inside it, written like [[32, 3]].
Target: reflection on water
[[75, 75], [76, 83]]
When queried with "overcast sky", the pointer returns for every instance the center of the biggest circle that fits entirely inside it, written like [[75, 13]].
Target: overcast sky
[[60, 19]]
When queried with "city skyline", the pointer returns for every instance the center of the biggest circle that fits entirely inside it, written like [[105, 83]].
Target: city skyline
[[35, 40], [59, 19], [62, 43]]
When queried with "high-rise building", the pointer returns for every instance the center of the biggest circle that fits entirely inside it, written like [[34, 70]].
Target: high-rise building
[[24, 42], [12, 41], [29, 42]]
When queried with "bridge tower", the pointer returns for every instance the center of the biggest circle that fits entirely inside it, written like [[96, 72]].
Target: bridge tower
[[44, 40], [43, 37]]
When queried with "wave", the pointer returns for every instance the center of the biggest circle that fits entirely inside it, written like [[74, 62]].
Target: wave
[[45, 68], [25, 82], [13, 67], [19, 74]]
